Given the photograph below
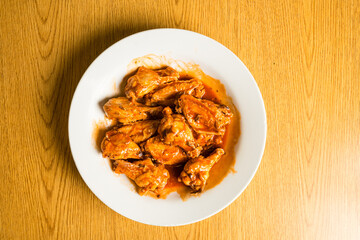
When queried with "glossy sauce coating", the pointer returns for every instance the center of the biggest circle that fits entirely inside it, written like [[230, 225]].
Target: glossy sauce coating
[[214, 91]]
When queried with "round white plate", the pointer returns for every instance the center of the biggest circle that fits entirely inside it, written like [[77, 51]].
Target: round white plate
[[109, 69]]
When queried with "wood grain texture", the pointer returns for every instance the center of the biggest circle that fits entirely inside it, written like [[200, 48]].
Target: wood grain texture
[[305, 57]]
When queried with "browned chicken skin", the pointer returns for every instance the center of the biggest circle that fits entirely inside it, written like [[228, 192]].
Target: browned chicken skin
[[147, 176], [174, 130], [151, 136], [203, 139], [124, 111], [196, 170], [168, 93], [168, 72], [117, 145], [140, 131], [146, 80], [204, 116], [164, 153]]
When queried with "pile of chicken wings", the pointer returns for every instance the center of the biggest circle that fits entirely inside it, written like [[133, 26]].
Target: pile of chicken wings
[[163, 120]]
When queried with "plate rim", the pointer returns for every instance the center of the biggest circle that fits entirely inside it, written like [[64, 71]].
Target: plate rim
[[263, 110]]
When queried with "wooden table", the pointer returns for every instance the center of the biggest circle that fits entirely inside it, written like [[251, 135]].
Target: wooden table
[[305, 57]]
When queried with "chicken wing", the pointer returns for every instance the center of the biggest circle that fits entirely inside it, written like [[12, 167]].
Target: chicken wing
[[164, 153], [168, 72], [146, 80], [124, 111], [204, 116], [174, 130], [140, 131], [146, 175], [167, 94], [117, 145], [203, 139], [196, 171]]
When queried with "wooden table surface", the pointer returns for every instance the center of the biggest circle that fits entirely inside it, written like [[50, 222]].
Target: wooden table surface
[[305, 57]]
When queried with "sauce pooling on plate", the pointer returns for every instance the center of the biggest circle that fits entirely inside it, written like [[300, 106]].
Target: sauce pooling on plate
[[176, 129]]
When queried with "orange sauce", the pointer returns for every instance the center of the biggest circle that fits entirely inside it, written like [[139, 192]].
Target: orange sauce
[[214, 91], [174, 185], [99, 130], [210, 94]]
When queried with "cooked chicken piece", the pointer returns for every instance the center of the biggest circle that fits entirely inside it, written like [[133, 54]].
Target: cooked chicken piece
[[117, 145], [196, 171], [147, 176], [174, 130], [164, 153], [204, 139], [124, 111], [167, 94], [204, 116], [168, 72], [140, 131], [146, 80]]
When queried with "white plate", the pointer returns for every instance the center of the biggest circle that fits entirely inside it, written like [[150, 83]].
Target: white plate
[[97, 84]]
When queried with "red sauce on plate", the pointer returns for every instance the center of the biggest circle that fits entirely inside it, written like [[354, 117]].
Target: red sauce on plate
[[214, 91]]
